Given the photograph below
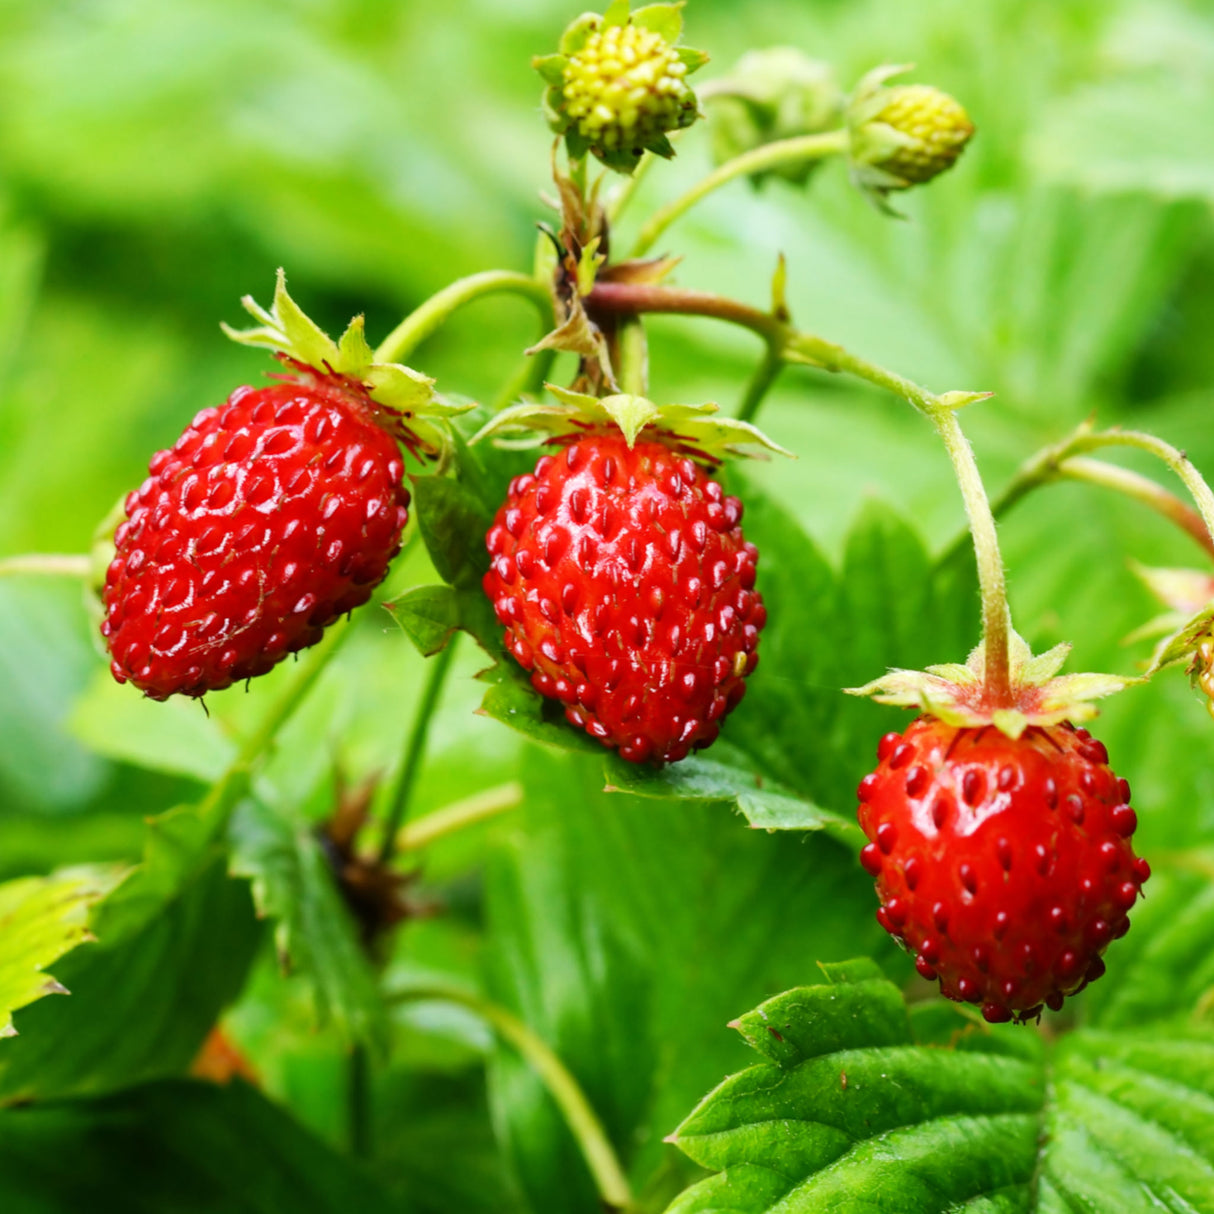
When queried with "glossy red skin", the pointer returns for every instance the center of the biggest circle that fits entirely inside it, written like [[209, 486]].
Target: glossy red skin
[[271, 516], [627, 589], [1004, 866]]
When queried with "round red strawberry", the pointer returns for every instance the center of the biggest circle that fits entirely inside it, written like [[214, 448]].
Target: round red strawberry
[[1001, 852], [1004, 865], [270, 517], [623, 580]]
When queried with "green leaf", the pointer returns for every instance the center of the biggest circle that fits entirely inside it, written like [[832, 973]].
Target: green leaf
[[41, 919], [621, 928], [315, 935], [859, 1106], [187, 1147], [174, 942], [428, 616], [727, 776]]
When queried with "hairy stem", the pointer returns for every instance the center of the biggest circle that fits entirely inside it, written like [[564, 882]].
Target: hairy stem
[[633, 371], [231, 786], [769, 156], [415, 748], [766, 374], [426, 319], [46, 564], [564, 1089], [458, 816]]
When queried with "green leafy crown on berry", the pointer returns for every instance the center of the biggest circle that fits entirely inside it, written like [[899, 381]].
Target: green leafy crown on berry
[[617, 85], [693, 430], [958, 695], [902, 136], [408, 405]]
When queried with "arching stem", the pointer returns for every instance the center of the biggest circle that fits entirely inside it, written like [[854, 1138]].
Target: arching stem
[[46, 564], [428, 317], [582, 1120], [769, 156]]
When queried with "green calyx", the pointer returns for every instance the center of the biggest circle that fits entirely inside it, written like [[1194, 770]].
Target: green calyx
[[902, 136], [617, 86], [406, 398], [957, 694], [772, 94], [1186, 631], [694, 430]]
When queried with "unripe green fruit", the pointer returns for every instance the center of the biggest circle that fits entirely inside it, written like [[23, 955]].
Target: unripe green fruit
[[937, 127], [626, 87]]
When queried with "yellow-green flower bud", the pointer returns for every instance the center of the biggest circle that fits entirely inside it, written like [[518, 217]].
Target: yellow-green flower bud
[[903, 136], [772, 94], [618, 85]]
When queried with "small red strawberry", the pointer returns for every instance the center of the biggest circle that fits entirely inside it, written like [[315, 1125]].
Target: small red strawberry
[[622, 577], [270, 517], [1000, 838], [1003, 864]]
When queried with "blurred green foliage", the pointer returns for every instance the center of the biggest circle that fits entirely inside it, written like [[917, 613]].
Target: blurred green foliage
[[159, 160]]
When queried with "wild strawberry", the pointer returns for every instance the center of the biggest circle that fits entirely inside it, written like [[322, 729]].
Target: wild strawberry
[[999, 836], [1004, 865], [623, 580], [270, 517]]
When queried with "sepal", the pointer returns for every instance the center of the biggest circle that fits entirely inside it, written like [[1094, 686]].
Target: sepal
[[416, 413], [693, 429], [957, 695]]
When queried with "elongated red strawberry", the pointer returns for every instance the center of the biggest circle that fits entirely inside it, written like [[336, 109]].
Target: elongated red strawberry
[[1003, 864], [623, 580], [270, 517], [998, 834]]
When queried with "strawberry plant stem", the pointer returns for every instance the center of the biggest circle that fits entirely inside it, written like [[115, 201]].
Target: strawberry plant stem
[[415, 749], [582, 1120], [424, 320], [457, 816], [784, 151], [46, 564], [231, 786], [633, 371], [760, 383]]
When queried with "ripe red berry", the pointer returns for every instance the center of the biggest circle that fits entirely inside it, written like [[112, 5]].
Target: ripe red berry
[[270, 517], [626, 587], [1004, 865]]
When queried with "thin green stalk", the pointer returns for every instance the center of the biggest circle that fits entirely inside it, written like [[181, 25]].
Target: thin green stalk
[[424, 320], [633, 371], [766, 374], [459, 815], [231, 786], [415, 749], [583, 1122], [991, 579], [46, 564], [769, 156], [528, 380]]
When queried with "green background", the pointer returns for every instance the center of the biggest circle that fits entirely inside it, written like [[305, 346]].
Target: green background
[[159, 160]]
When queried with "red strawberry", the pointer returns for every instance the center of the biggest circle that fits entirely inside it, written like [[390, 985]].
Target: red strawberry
[[626, 587], [269, 518], [1003, 864], [271, 515]]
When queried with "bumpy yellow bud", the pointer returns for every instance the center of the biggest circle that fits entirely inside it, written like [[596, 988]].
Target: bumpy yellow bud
[[626, 87], [902, 136], [618, 84], [936, 126]]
